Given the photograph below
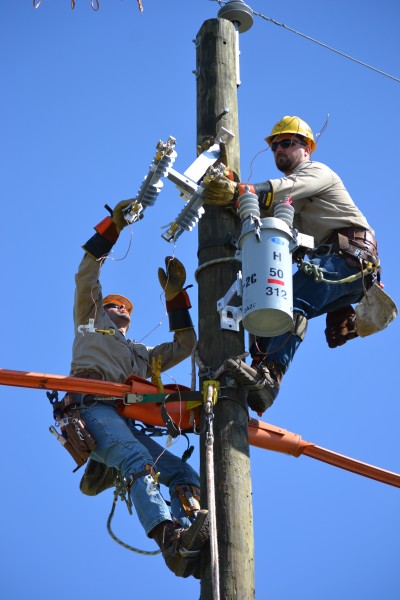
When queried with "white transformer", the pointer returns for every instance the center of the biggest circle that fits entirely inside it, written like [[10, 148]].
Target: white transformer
[[266, 281], [267, 291]]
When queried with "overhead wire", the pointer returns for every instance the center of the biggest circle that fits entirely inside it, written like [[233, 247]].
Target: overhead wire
[[331, 48]]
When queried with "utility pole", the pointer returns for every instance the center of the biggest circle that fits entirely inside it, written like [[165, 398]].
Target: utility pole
[[217, 72]]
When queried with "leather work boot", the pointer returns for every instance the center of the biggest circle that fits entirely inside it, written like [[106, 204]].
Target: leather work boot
[[181, 548], [262, 381], [97, 478]]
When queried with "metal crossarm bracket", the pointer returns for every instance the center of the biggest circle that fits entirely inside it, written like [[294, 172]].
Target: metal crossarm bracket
[[231, 315], [191, 189]]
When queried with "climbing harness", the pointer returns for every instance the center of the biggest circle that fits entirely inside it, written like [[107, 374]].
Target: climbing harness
[[210, 395]]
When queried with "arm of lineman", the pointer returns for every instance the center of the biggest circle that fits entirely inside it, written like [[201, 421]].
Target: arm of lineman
[[172, 353], [88, 294]]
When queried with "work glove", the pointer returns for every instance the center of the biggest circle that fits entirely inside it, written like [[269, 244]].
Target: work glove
[[173, 278], [118, 216], [221, 190]]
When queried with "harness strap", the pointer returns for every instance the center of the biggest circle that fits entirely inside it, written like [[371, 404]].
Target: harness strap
[[148, 470], [355, 242]]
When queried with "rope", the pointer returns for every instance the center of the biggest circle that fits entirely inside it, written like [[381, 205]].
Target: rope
[[208, 408], [318, 273], [120, 491]]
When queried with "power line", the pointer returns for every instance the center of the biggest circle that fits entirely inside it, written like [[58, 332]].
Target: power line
[[307, 37]]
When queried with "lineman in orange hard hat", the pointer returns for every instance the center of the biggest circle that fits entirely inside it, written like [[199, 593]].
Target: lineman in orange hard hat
[[102, 351], [344, 241]]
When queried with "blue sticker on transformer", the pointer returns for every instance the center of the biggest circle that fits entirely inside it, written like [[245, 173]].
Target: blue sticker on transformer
[[278, 241]]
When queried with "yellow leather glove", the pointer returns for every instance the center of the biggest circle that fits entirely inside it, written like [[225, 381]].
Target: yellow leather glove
[[173, 278], [220, 191], [118, 215]]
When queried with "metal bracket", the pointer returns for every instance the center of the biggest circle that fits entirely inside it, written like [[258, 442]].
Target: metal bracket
[[191, 189], [89, 328], [300, 240], [231, 315]]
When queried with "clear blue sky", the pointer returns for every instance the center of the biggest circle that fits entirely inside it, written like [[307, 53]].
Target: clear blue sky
[[85, 98]]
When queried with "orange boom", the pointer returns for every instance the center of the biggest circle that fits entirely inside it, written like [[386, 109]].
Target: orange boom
[[141, 400]]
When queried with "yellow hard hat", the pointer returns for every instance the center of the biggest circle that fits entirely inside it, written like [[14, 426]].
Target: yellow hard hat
[[118, 299], [292, 125]]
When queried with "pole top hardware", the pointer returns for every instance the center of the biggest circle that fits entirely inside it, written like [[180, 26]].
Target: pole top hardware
[[238, 13]]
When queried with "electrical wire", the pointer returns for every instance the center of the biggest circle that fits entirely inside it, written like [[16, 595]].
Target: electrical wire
[[307, 37]]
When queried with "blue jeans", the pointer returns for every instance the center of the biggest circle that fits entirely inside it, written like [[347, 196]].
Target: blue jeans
[[122, 446], [312, 299]]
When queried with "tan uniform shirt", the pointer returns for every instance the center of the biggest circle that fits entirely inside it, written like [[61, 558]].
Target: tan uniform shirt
[[114, 357], [321, 202]]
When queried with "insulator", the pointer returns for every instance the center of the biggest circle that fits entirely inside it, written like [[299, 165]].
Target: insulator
[[187, 218], [151, 193], [248, 206], [152, 184], [285, 212], [238, 13]]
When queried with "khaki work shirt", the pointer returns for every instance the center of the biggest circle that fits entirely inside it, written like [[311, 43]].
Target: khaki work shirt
[[114, 357], [321, 202]]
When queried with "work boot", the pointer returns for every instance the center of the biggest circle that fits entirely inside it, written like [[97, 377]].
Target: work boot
[[97, 478], [262, 381], [181, 548]]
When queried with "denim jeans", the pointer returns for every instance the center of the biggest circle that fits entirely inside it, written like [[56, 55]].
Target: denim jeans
[[122, 446], [312, 299]]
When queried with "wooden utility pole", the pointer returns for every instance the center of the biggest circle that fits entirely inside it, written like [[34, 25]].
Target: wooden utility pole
[[219, 230]]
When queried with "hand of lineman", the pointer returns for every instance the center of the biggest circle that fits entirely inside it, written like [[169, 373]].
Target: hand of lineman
[[173, 278], [118, 216], [221, 190]]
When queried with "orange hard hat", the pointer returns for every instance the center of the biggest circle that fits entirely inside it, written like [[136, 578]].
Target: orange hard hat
[[118, 299]]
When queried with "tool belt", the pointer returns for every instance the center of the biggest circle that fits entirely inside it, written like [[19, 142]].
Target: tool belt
[[74, 434], [357, 245]]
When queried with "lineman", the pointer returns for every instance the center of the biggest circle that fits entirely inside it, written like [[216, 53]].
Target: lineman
[[109, 355], [344, 243]]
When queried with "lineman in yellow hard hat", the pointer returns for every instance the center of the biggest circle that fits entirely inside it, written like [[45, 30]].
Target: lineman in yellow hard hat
[[293, 126], [344, 244]]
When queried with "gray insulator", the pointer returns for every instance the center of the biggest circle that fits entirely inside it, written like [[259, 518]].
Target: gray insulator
[[149, 190], [151, 193], [285, 212], [191, 213], [248, 206], [238, 13]]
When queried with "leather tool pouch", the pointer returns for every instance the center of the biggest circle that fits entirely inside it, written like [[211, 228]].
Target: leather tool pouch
[[74, 436], [358, 247]]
